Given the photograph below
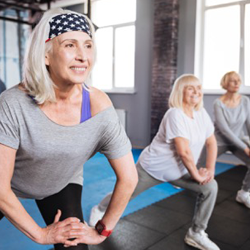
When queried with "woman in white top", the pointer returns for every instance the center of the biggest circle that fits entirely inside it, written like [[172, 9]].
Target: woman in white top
[[231, 113], [173, 154]]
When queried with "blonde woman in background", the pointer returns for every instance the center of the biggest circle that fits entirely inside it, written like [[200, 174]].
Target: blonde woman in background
[[172, 156], [232, 115]]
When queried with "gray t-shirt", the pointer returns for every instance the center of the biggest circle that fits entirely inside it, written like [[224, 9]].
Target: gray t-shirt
[[50, 156], [230, 122]]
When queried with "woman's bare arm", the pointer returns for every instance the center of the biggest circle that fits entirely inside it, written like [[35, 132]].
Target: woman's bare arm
[[183, 150], [11, 207]]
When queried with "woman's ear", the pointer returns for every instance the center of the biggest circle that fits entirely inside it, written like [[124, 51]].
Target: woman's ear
[[47, 59]]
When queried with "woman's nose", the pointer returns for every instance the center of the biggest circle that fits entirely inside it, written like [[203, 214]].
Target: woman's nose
[[81, 55], [81, 58], [236, 83]]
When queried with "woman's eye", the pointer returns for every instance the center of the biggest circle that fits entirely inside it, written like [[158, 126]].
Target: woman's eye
[[88, 46], [69, 45]]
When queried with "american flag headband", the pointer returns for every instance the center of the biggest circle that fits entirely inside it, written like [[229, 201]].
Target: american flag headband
[[68, 22]]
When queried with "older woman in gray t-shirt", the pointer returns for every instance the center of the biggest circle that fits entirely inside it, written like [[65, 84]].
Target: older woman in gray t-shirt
[[231, 113], [50, 125]]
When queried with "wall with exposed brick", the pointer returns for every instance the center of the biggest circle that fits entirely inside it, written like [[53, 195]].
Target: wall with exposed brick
[[165, 40], [165, 48]]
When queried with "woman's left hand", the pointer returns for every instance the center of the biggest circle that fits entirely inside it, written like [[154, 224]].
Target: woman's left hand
[[89, 236], [210, 176]]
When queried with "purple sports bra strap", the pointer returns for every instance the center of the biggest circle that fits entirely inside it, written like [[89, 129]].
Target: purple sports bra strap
[[86, 112]]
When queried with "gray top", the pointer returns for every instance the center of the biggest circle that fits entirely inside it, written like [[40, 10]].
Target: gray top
[[230, 122], [50, 156]]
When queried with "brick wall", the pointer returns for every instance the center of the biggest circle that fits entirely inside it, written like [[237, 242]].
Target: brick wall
[[166, 15]]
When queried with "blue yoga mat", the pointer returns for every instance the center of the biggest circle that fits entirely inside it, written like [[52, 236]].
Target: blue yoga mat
[[99, 179]]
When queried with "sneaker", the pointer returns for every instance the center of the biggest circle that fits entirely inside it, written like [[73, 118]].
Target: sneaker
[[200, 240], [95, 215], [243, 197]]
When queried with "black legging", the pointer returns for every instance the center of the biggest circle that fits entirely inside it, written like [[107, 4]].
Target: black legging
[[68, 200]]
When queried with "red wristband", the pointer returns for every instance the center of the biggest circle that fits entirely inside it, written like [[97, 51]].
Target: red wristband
[[101, 229]]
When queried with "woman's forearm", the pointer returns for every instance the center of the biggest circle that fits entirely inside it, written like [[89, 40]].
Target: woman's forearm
[[127, 179], [211, 148], [119, 200], [188, 161], [13, 210], [57, 232], [184, 152]]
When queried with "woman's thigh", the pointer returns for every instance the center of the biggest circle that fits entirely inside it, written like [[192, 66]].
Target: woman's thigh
[[188, 183], [145, 181], [68, 201], [1, 215], [241, 155], [203, 157]]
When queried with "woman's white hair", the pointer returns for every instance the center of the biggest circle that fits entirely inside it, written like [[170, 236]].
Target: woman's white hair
[[176, 96], [36, 77]]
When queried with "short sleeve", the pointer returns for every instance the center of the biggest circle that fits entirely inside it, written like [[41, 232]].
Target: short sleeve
[[175, 125], [9, 135], [208, 123], [115, 143]]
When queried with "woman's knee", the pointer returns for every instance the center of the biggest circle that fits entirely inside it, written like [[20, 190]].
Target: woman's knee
[[210, 188]]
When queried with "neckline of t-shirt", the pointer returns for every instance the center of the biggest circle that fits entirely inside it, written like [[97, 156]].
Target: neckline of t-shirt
[[76, 125], [241, 99], [191, 118], [44, 116]]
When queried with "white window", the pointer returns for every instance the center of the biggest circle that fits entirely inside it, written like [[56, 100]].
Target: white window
[[115, 43], [224, 42], [10, 63]]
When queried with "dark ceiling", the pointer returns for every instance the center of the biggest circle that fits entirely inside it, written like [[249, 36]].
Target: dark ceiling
[[22, 5]]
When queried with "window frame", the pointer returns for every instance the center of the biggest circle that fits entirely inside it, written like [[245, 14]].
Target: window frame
[[200, 39], [114, 89]]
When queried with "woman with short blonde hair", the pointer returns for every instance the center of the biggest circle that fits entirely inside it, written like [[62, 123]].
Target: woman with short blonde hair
[[176, 96], [225, 79], [173, 154], [231, 113]]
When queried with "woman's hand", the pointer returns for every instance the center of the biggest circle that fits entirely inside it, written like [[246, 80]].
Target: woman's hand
[[62, 231], [201, 175], [210, 176], [89, 236], [247, 151]]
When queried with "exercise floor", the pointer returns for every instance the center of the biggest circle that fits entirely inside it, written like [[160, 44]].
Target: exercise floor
[[159, 219], [163, 225]]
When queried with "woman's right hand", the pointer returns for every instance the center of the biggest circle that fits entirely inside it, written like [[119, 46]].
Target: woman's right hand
[[62, 231], [201, 175]]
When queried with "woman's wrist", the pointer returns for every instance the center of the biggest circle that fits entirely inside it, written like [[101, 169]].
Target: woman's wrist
[[41, 236], [211, 169], [196, 175], [246, 150]]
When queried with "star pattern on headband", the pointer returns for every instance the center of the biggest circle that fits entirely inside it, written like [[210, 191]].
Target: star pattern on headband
[[68, 22]]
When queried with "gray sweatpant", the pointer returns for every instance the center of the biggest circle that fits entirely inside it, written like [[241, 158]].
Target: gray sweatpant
[[239, 153], [206, 195]]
